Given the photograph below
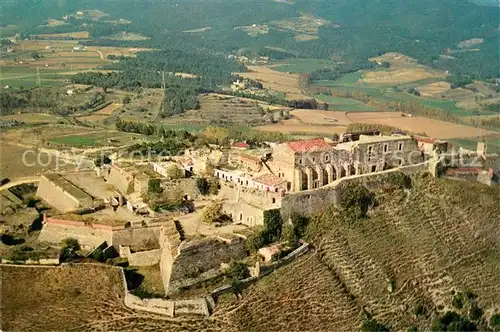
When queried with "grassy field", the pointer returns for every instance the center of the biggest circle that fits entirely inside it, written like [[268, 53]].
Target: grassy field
[[492, 143], [100, 138], [302, 65], [32, 118]]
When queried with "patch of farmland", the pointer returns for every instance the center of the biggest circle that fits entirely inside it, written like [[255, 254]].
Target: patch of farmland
[[123, 35], [320, 117], [276, 81], [433, 89], [101, 138], [302, 65], [400, 75], [293, 128], [431, 127], [73, 35], [344, 104], [32, 118], [101, 114]]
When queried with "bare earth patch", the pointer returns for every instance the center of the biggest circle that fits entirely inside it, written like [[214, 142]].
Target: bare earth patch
[[431, 127], [433, 89], [277, 81], [77, 34]]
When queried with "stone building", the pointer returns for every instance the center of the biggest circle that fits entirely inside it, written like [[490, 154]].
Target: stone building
[[62, 194]]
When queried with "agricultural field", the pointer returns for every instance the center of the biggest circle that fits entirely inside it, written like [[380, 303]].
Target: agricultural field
[[56, 60], [32, 118], [305, 27], [67, 35], [434, 93], [95, 139], [102, 114], [301, 65], [431, 127], [344, 104], [492, 143], [222, 109], [144, 105], [291, 127], [277, 81]]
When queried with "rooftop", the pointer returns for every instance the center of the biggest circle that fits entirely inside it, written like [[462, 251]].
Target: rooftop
[[67, 186], [269, 179], [241, 145], [316, 144]]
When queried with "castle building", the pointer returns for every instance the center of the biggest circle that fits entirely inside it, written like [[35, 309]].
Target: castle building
[[314, 163]]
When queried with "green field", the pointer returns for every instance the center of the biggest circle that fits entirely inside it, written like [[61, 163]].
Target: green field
[[301, 65], [386, 93], [26, 77], [77, 140], [492, 144], [103, 138], [344, 104]]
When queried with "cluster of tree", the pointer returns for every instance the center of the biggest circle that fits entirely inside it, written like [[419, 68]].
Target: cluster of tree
[[355, 201], [207, 186], [458, 81], [167, 147], [340, 69], [271, 232], [179, 98], [146, 128], [48, 100], [361, 30], [214, 213]]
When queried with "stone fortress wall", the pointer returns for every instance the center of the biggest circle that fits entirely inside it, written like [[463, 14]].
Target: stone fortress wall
[[312, 201], [63, 195], [55, 230]]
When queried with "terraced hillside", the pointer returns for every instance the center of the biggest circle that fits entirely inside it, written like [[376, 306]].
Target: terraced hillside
[[221, 109], [439, 236]]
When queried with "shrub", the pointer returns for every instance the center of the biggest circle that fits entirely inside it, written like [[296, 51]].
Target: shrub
[[451, 321], [495, 322], [69, 247], [399, 180], [154, 186], [237, 271], [173, 172], [203, 186], [355, 201], [458, 301], [475, 313], [214, 213], [126, 100], [371, 325]]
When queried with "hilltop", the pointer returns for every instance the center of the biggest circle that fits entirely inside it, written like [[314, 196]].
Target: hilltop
[[401, 265]]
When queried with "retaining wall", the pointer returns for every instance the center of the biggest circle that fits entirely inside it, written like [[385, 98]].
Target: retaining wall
[[312, 201], [141, 258]]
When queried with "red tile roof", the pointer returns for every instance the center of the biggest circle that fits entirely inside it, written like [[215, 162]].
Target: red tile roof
[[425, 139], [269, 180], [309, 145], [240, 145]]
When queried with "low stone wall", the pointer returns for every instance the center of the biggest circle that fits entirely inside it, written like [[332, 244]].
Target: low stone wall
[[312, 201], [169, 308], [41, 261], [263, 271], [55, 230], [141, 258]]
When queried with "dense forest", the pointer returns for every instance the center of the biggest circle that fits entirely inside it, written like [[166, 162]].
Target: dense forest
[[420, 29]]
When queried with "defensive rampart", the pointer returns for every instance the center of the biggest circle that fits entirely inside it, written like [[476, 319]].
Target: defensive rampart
[[312, 201], [55, 230]]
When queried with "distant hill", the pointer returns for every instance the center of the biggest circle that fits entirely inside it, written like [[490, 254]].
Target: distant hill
[[346, 30]]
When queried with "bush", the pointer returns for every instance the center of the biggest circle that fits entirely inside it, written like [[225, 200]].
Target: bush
[[69, 248], [371, 325], [203, 186], [126, 100], [458, 301], [174, 172], [400, 180], [475, 313], [237, 271], [154, 186], [495, 322], [355, 201], [214, 213], [451, 321]]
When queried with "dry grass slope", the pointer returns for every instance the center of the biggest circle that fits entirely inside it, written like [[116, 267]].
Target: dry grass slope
[[440, 236]]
